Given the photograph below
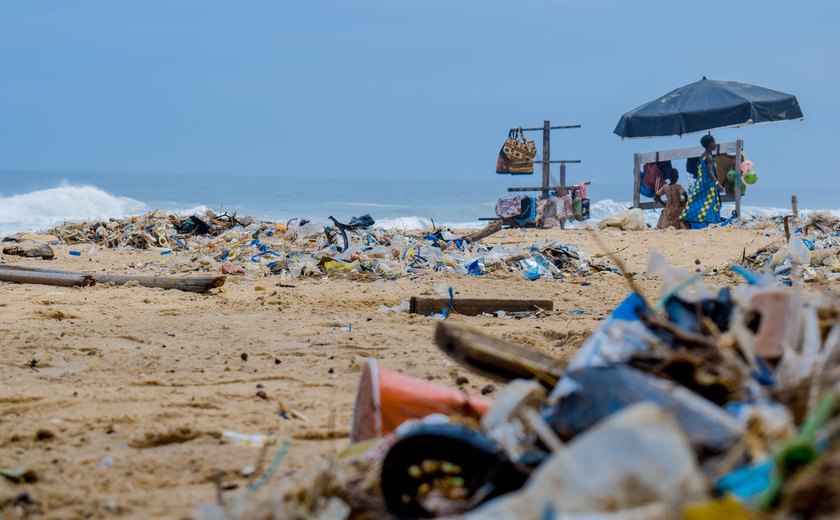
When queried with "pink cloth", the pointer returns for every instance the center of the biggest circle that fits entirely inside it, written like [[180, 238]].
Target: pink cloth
[[567, 206], [581, 190]]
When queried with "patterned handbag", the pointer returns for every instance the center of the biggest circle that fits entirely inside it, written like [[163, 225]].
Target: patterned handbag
[[503, 163], [511, 207], [521, 168], [520, 151]]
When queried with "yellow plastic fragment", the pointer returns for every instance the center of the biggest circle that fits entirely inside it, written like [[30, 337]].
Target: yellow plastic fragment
[[727, 507]]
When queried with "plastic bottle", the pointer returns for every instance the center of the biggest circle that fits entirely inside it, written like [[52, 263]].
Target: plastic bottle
[[799, 252]]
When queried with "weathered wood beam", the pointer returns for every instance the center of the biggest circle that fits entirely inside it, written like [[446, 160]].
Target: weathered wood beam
[[186, 283], [684, 153], [495, 358], [475, 305], [488, 230], [46, 278]]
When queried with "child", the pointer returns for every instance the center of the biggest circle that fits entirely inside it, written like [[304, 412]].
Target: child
[[674, 202]]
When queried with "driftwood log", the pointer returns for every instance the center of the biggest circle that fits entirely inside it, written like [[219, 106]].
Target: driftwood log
[[475, 305], [45, 278], [488, 230], [198, 284], [30, 250], [496, 358]]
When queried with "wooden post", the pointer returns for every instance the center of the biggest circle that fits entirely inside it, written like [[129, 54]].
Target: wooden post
[[637, 179], [794, 204], [563, 183], [546, 181], [739, 149], [475, 305]]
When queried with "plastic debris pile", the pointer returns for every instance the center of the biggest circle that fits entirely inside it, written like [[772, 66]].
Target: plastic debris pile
[[238, 245], [812, 251], [707, 404]]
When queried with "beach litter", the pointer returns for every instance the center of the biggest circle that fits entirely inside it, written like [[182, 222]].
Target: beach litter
[[298, 248], [811, 251], [699, 404]]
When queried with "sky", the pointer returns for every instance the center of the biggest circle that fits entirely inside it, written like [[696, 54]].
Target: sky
[[383, 89]]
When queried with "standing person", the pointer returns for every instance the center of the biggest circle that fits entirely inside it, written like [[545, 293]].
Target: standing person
[[703, 205], [674, 201]]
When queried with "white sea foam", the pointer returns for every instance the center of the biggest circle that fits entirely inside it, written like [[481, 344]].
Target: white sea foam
[[39, 210], [414, 222]]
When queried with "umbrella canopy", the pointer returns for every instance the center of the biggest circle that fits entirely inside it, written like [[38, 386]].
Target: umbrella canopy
[[705, 105]]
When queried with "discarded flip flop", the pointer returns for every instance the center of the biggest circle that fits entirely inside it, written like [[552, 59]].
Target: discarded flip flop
[[452, 459]]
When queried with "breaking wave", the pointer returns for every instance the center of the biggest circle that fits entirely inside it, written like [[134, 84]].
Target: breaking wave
[[40, 210]]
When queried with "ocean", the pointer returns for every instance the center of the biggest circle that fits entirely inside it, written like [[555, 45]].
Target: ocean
[[40, 200]]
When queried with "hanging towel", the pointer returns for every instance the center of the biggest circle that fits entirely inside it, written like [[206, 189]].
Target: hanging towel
[[568, 208], [581, 190]]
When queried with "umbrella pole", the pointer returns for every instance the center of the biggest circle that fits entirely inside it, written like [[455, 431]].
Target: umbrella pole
[[637, 179], [739, 149]]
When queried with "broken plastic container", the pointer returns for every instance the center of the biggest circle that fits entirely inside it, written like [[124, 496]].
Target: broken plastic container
[[386, 399], [637, 460], [593, 393], [799, 252]]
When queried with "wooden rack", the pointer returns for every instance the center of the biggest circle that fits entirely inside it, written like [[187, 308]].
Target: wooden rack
[[546, 162]]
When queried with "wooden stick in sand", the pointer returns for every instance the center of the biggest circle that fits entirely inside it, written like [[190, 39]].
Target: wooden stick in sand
[[26, 274], [46, 278], [488, 230], [495, 358]]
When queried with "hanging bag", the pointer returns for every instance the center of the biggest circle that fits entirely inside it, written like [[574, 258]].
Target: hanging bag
[[503, 163], [520, 151]]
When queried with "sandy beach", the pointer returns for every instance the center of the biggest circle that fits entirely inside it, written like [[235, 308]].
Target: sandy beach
[[116, 397]]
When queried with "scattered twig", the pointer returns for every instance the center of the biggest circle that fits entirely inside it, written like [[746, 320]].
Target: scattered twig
[[258, 467], [599, 255], [263, 480], [217, 480]]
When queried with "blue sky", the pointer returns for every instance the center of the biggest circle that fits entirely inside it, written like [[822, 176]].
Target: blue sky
[[385, 88]]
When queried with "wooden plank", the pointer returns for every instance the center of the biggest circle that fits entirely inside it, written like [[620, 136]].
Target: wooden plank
[[186, 283], [496, 358], [559, 161], [198, 284], [30, 250], [683, 153], [729, 197], [475, 305], [46, 278], [650, 205], [562, 183], [637, 179], [488, 230], [556, 161], [553, 188], [558, 127], [546, 178]]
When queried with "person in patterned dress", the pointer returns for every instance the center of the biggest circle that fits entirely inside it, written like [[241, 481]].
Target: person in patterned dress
[[703, 205]]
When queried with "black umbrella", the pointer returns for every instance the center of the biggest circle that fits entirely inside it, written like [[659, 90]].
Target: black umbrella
[[705, 105]]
